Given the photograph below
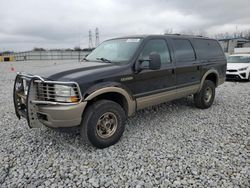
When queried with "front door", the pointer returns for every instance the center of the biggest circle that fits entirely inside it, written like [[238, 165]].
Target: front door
[[150, 82]]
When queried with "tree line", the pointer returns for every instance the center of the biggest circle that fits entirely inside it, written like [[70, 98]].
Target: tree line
[[225, 35]]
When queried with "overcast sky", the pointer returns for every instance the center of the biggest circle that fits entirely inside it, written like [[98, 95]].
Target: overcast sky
[[65, 23]]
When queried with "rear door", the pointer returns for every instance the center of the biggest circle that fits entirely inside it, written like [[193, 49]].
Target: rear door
[[187, 67], [210, 56]]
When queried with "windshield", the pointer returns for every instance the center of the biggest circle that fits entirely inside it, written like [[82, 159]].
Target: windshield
[[115, 51], [238, 59]]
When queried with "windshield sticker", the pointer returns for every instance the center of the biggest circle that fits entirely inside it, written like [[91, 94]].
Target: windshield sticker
[[133, 40]]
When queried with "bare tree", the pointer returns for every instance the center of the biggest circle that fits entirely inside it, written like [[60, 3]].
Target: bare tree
[[236, 34], [246, 34], [198, 32]]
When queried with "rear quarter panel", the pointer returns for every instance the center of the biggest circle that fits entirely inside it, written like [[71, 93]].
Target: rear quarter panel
[[217, 63]]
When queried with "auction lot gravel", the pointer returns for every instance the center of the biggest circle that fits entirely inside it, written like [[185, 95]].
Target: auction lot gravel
[[169, 145]]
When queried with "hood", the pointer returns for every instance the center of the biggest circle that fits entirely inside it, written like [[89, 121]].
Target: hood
[[236, 66], [73, 71]]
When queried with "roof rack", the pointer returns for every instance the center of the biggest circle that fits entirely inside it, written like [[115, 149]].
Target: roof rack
[[183, 34], [172, 34]]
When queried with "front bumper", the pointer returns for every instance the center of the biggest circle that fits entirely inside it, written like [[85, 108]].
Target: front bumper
[[61, 116], [239, 75], [38, 113]]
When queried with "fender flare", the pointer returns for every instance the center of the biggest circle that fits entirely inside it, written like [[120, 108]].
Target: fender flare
[[131, 103], [211, 71]]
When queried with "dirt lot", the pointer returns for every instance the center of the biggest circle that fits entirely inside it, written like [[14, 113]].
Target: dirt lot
[[173, 144]]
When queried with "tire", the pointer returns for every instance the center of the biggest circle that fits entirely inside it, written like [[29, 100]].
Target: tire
[[205, 97], [103, 123]]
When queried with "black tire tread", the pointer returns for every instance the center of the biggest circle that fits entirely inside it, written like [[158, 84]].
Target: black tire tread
[[90, 113], [198, 97]]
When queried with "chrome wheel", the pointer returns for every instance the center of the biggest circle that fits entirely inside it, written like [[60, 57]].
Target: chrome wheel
[[106, 125], [208, 94]]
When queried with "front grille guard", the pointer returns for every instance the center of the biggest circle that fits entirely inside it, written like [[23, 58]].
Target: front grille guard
[[26, 105]]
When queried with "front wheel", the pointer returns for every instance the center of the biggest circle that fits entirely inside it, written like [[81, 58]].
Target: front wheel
[[205, 97], [103, 123]]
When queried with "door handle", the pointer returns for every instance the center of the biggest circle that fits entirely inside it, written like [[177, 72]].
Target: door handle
[[170, 71], [197, 63]]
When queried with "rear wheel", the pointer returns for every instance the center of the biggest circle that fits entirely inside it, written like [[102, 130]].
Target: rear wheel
[[205, 97], [103, 123]]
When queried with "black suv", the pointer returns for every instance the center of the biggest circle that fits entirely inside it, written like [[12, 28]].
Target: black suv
[[119, 77]]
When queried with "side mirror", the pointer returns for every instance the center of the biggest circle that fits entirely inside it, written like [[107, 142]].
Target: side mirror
[[154, 61]]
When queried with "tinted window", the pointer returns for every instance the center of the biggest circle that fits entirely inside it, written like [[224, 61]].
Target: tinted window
[[183, 50], [159, 46], [208, 49]]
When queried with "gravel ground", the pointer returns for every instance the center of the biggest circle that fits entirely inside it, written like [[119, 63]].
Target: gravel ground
[[173, 144]]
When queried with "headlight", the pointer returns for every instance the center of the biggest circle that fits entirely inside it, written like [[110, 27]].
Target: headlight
[[242, 69], [64, 93]]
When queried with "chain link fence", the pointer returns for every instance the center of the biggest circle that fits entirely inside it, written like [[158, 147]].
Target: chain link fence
[[50, 55]]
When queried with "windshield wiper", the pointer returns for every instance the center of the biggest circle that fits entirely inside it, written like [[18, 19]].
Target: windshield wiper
[[84, 59], [104, 60]]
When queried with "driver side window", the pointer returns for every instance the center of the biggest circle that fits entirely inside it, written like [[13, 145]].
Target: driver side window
[[156, 45]]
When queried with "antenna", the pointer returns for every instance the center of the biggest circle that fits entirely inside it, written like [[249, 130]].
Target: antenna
[[90, 39], [97, 37]]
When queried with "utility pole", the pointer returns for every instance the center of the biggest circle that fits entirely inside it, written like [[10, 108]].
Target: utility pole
[[97, 39], [90, 39], [79, 51]]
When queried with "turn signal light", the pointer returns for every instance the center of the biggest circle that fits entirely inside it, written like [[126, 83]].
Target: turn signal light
[[74, 99]]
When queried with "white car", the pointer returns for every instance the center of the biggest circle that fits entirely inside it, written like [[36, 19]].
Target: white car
[[238, 67]]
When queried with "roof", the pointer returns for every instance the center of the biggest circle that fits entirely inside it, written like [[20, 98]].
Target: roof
[[168, 35]]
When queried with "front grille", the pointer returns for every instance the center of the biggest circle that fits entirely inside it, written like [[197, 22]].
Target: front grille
[[232, 70], [46, 92], [230, 76]]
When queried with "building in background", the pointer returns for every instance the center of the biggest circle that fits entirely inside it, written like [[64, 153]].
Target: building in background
[[6, 56], [230, 44]]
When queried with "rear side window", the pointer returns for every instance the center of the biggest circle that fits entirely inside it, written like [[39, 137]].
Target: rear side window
[[183, 50], [208, 49]]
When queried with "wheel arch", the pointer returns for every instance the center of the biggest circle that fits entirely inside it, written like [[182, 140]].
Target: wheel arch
[[212, 75], [116, 94]]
